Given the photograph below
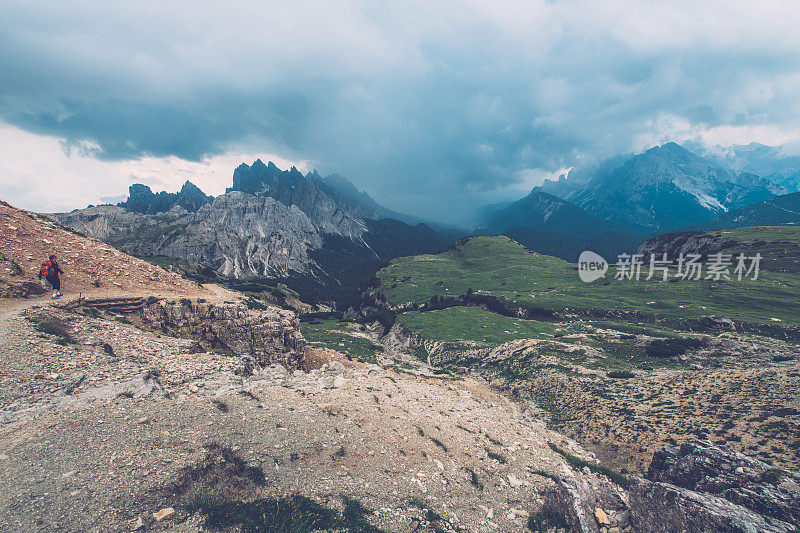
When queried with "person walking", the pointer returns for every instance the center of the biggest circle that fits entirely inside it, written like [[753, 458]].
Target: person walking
[[50, 271]]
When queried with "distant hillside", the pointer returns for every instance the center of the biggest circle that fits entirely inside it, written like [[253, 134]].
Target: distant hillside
[[550, 225], [499, 273], [663, 188], [541, 211], [779, 246], [609, 244]]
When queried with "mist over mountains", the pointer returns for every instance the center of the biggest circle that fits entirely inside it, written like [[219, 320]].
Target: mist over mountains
[[324, 236], [613, 206]]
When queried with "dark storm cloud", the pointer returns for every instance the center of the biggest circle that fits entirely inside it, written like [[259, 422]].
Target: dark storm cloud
[[426, 105]]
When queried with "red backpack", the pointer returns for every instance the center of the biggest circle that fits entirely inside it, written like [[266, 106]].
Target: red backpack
[[45, 270]]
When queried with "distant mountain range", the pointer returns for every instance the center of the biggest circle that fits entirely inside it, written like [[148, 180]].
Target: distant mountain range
[[323, 237], [665, 187], [781, 210], [550, 225], [143, 200], [319, 235], [613, 206]]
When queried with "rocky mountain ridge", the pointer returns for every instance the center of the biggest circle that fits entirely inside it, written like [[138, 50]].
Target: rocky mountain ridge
[[142, 200], [321, 234], [611, 207]]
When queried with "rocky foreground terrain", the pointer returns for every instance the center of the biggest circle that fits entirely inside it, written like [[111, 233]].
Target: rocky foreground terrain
[[99, 431], [738, 391], [112, 426]]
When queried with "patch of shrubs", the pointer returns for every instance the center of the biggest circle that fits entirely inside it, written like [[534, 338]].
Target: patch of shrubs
[[282, 515], [496, 456], [620, 374], [252, 303], [671, 347], [772, 476], [545, 521]]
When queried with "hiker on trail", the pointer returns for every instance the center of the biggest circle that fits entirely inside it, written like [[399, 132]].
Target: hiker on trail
[[50, 271]]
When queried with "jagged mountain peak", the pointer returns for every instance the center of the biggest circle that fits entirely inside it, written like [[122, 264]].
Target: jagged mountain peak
[[190, 188], [141, 199], [671, 148], [326, 200]]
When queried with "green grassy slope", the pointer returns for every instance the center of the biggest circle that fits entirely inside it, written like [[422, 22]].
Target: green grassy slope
[[340, 336], [778, 245], [473, 324], [502, 268]]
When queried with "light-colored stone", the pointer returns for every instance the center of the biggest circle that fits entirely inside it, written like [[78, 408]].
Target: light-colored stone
[[163, 513], [601, 517], [333, 408]]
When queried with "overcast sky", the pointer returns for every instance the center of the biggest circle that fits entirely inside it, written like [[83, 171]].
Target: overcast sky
[[429, 106]]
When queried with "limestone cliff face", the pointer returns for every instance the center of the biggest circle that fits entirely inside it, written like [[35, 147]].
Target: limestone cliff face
[[238, 235], [270, 336]]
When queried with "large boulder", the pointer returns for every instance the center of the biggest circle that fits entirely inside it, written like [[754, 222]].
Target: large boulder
[[704, 467]]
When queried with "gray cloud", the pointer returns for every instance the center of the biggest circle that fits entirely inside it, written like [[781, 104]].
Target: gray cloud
[[429, 106]]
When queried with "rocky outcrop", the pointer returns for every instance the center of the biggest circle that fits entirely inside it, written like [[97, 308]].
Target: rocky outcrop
[[587, 504], [270, 336], [685, 242], [662, 507], [704, 467], [697, 487]]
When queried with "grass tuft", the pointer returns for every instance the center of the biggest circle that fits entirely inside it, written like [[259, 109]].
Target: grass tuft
[[577, 462], [620, 374], [56, 327], [496, 456], [293, 514], [545, 521]]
